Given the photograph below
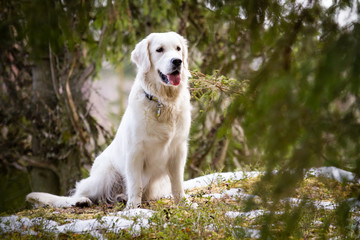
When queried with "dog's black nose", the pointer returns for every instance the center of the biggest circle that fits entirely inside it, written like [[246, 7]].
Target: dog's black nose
[[176, 62]]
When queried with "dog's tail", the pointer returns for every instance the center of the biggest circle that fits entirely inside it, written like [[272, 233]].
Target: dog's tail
[[40, 199]]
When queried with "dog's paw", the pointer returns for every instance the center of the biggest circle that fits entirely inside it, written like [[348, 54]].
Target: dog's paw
[[35, 199], [83, 202], [121, 198], [130, 205]]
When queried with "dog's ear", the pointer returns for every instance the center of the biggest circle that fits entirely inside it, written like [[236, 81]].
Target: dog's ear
[[140, 56], [184, 44]]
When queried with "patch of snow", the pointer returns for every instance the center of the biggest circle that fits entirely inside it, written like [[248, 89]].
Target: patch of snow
[[15, 224], [9, 224], [332, 173], [207, 180], [213, 195], [79, 226], [354, 204], [211, 227], [292, 201], [237, 192], [318, 223], [133, 219], [203, 181], [252, 233], [327, 205], [233, 193], [137, 212], [111, 223], [250, 215], [247, 232]]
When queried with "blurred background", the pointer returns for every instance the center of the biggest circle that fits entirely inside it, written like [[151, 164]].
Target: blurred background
[[275, 86]]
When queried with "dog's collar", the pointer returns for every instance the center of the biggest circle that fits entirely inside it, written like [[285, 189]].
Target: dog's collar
[[159, 105]]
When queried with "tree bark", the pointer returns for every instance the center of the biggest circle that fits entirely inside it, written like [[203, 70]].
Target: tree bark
[[220, 155], [42, 179]]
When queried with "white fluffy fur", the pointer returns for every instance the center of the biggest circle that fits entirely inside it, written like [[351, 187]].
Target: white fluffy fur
[[147, 156]]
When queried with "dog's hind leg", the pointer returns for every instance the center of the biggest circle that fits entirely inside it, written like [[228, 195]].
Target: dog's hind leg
[[103, 184], [157, 188]]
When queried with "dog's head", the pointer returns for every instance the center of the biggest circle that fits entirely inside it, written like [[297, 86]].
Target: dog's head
[[164, 54]]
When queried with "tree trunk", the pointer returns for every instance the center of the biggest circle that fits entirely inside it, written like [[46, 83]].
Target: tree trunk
[[59, 174], [42, 179], [69, 171], [220, 155]]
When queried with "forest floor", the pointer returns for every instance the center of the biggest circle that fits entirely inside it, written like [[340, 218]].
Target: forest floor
[[227, 208]]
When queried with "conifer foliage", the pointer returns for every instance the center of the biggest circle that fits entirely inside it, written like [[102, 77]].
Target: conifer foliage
[[275, 84]]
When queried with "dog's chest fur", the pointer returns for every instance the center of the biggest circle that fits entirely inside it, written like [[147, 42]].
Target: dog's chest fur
[[170, 123]]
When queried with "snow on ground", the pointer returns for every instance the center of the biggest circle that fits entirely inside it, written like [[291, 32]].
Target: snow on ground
[[247, 232], [136, 219], [232, 193], [332, 173], [327, 205], [207, 180], [203, 181], [328, 172], [249, 215], [133, 219]]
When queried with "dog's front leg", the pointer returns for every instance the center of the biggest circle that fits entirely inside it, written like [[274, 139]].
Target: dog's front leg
[[176, 172], [133, 181]]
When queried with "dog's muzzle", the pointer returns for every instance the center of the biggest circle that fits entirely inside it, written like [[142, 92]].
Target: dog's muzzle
[[174, 77]]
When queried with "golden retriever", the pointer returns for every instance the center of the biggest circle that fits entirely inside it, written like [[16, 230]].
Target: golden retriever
[[146, 159]]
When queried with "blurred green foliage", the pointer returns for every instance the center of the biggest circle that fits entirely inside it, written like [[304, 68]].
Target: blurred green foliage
[[217, 139], [294, 103]]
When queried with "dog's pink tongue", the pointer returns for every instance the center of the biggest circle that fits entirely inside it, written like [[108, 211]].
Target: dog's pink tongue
[[174, 79]]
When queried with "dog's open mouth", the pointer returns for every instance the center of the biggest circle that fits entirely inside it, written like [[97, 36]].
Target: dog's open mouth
[[172, 78]]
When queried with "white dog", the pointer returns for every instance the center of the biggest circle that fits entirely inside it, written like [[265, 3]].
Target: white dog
[[148, 153]]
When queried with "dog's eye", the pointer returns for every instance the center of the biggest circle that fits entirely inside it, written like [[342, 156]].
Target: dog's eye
[[178, 48], [160, 49]]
